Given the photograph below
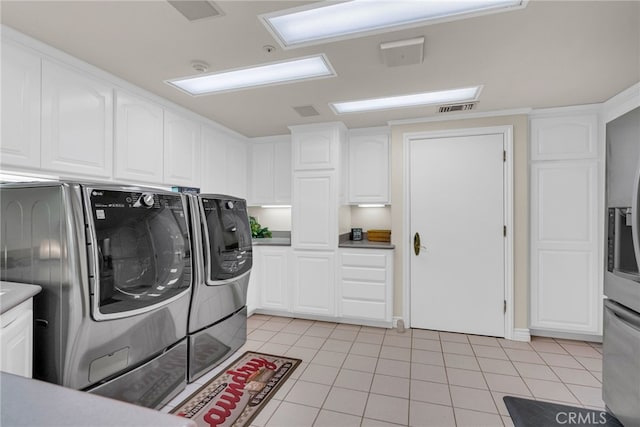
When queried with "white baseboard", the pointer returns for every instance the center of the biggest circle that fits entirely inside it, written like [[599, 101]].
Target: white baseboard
[[521, 335]]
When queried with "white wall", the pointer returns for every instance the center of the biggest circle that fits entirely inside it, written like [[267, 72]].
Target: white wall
[[276, 219]]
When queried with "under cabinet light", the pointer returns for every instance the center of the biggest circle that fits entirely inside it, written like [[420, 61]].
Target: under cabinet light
[[371, 205], [312, 67], [404, 101], [311, 25]]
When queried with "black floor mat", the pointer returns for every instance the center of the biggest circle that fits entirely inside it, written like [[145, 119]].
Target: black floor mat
[[533, 413]]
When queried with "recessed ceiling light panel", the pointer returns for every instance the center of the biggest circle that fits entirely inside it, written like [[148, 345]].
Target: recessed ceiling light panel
[[336, 21], [312, 67], [405, 101]]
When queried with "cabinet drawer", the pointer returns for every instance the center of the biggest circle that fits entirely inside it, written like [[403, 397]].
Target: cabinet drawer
[[364, 260], [364, 274], [364, 309], [364, 291]]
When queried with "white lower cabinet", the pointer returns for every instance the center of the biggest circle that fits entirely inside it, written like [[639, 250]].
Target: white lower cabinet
[[16, 340], [273, 277], [314, 283], [366, 284], [350, 285]]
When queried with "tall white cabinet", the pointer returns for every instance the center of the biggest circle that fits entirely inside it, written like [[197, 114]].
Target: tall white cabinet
[[315, 225], [567, 203]]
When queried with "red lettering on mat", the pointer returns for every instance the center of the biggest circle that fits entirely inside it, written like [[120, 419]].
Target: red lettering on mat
[[221, 410]]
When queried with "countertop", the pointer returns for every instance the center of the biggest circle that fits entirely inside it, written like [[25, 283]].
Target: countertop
[[283, 238], [363, 244], [13, 294], [279, 238], [33, 403]]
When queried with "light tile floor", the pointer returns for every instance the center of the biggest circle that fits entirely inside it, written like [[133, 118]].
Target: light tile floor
[[363, 376]]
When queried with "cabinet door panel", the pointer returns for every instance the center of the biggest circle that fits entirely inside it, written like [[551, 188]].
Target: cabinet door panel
[[274, 279], [20, 107], [366, 310], [365, 291], [314, 283], [565, 288], [181, 151], [314, 214], [556, 138], [237, 168], [77, 122], [314, 150], [262, 173], [214, 152], [282, 172], [16, 341], [139, 139], [369, 169]]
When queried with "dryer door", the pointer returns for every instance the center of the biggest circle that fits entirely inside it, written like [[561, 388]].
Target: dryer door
[[227, 238], [140, 250]]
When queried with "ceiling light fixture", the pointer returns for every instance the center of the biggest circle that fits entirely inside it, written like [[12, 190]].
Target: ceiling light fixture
[[305, 25], [312, 67], [404, 101]]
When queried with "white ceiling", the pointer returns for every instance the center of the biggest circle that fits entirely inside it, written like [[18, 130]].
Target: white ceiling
[[549, 54]]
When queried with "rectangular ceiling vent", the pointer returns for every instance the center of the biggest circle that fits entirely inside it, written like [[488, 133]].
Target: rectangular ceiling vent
[[306, 111], [195, 10], [457, 107]]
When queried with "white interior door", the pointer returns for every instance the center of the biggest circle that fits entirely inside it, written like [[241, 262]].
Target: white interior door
[[457, 208]]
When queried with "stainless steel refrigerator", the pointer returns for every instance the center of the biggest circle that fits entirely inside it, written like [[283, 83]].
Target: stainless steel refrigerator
[[621, 341]]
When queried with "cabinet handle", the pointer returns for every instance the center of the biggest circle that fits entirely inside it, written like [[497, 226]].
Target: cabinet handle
[[416, 244]]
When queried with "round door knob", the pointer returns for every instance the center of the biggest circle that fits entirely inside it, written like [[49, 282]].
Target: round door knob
[[147, 199], [229, 204]]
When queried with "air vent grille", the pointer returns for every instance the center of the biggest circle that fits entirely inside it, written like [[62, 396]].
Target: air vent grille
[[306, 111], [194, 10], [457, 107]]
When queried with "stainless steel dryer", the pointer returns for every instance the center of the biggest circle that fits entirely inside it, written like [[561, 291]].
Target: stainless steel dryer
[[115, 268], [223, 253]]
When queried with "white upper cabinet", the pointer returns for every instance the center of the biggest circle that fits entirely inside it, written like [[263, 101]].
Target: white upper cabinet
[[224, 163], [214, 152], [282, 172], [262, 173], [562, 137], [181, 151], [317, 146], [368, 167], [270, 171], [77, 122], [139, 139], [20, 107], [237, 154]]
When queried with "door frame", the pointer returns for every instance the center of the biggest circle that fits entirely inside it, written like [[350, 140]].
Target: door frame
[[507, 133]]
